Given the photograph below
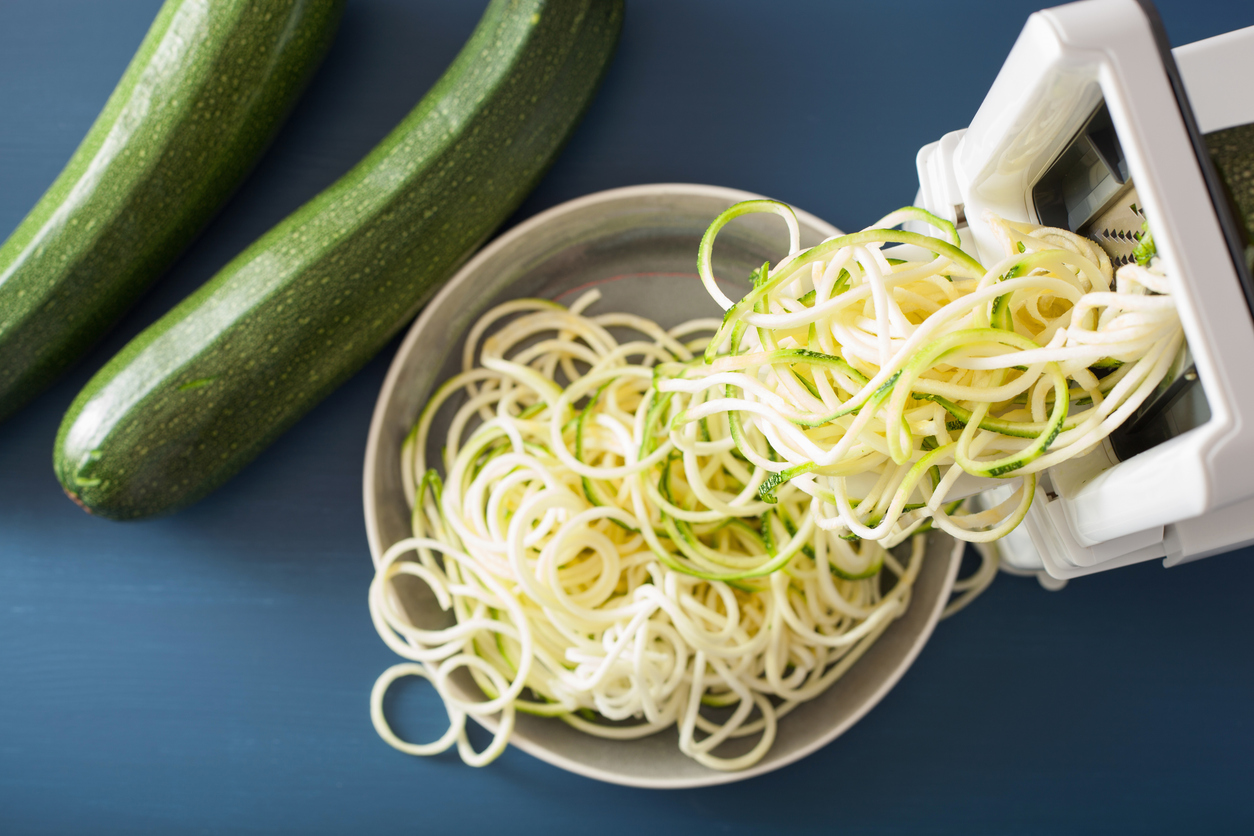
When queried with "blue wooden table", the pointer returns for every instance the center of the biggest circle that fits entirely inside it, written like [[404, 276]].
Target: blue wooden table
[[208, 672]]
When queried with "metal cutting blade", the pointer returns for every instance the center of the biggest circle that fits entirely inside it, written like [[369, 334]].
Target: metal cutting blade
[[1119, 226]]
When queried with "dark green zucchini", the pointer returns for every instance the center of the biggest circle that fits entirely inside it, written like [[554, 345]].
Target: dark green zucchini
[[211, 83], [196, 396]]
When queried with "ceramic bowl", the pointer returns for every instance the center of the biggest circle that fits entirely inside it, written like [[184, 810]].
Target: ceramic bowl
[[638, 245]]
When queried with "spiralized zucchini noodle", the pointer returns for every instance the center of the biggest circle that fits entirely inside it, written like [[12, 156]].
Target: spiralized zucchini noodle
[[706, 526], [608, 570], [878, 377]]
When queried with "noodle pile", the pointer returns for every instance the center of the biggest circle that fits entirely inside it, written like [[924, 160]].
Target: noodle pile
[[595, 562], [693, 527]]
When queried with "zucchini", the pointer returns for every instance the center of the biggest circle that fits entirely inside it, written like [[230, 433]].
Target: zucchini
[[208, 88], [207, 387]]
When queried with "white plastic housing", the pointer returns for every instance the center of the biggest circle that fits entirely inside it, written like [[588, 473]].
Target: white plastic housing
[[1096, 513]]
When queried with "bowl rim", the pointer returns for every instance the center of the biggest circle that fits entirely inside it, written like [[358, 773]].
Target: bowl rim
[[371, 501]]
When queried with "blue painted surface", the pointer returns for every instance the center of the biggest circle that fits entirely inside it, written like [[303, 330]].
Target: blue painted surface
[[209, 672]]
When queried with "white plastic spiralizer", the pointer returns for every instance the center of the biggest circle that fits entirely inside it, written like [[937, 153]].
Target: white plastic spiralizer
[[1094, 124]]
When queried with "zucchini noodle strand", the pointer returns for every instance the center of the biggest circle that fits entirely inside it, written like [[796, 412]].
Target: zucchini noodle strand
[[611, 565]]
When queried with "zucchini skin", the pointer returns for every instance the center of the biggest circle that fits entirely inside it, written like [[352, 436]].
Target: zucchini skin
[[207, 90], [206, 388]]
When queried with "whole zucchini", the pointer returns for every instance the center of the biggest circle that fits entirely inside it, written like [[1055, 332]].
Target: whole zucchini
[[201, 392], [211, 83]]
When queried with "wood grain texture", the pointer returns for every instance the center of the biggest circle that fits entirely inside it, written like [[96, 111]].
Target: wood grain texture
[[209, 672]]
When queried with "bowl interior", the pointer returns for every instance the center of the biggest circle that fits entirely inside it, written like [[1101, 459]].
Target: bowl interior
[[638, 247]]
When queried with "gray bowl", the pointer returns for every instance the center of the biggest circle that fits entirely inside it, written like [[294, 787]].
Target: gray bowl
[[638, 245]]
